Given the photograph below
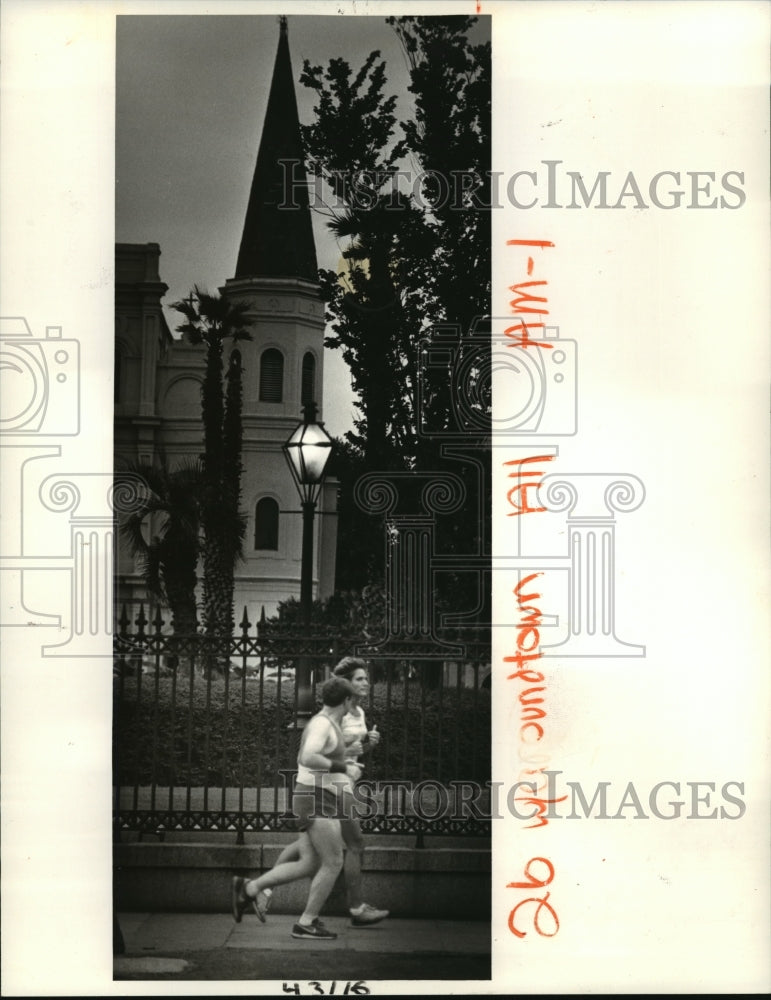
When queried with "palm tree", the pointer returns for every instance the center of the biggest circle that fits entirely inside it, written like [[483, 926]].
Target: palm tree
[[231, 517], [210, 320], [162, 533]]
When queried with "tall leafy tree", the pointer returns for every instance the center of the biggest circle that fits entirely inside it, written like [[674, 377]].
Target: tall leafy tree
[[351, 144], [210, 320], [449, 138], [415, 255]]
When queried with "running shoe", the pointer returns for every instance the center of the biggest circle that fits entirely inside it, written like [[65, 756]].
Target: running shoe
[[238, 898], [368, 915], [315, 930], [261, 904]]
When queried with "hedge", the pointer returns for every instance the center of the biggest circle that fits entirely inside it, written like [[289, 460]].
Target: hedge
[[228, 738]]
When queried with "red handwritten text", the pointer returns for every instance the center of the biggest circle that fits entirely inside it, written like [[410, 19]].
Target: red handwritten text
[[541, 902], [520, 333], [521, 505], [530, 307]]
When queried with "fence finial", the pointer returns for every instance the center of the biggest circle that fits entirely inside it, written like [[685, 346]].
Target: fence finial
[[141, 621]]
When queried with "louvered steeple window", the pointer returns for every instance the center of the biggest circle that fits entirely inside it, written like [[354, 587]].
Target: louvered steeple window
[[271, 376], [308, 380]]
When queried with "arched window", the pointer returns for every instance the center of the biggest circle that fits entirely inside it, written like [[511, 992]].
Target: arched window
[[271, 376], [266, 524], [308, 383]]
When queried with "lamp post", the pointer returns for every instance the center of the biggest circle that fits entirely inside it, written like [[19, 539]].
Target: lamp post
[[307, 452]]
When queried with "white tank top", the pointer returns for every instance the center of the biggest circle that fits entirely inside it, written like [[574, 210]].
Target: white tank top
[[354, 727]]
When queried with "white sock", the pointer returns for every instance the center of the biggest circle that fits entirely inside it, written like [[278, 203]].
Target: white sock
[[356, 910]]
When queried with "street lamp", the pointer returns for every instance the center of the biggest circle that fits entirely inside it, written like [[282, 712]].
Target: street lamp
[[307, 452]]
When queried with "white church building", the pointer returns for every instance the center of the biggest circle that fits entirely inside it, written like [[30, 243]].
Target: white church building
[[158, 379]]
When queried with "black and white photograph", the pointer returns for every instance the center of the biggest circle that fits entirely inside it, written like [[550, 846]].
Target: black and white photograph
[[301, 496]]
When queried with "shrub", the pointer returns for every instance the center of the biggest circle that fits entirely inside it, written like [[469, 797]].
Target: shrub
[[235, 732]]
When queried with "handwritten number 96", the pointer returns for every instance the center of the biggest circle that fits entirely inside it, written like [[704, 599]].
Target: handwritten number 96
[[541, 924]]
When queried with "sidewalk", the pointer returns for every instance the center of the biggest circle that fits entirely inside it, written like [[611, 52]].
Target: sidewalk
[[211, 946]]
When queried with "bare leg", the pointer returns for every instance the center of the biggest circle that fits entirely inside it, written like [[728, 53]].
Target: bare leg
[[328, 845], [354, 849], [288, 871], [290, 853], [361, 913]]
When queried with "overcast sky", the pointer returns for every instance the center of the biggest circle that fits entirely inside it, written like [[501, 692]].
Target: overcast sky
[[191, 96]]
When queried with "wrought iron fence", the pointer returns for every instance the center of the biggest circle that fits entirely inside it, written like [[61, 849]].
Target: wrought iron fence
[[205, 732]]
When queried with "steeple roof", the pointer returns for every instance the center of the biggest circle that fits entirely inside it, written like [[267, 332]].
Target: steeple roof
[[278, 242]]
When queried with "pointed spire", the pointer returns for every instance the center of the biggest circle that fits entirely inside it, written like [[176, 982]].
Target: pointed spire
[[278, 242]]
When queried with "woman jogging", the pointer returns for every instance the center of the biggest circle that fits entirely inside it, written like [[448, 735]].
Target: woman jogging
[[358, 741]]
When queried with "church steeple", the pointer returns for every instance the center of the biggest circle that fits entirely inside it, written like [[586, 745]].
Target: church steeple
[[278, 242]]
